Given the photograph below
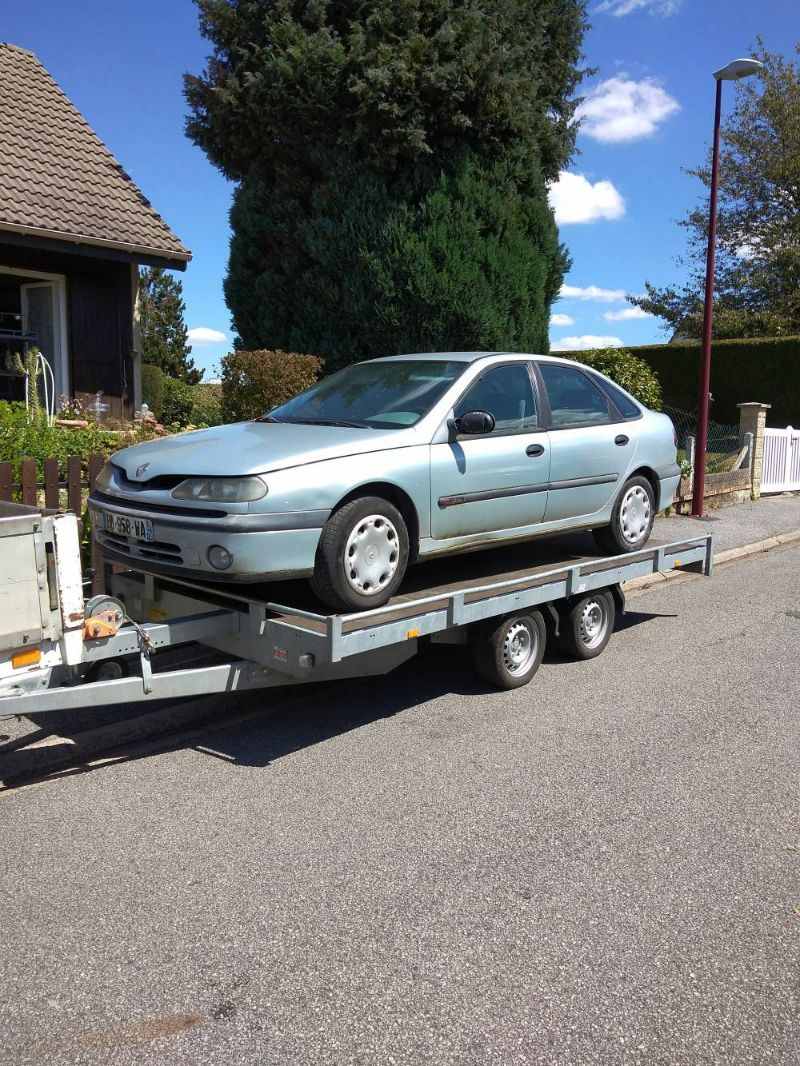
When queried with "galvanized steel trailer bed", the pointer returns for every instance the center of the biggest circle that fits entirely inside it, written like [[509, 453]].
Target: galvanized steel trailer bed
[[278, 644]]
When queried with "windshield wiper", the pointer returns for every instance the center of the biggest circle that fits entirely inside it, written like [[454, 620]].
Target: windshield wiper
[[330, 422], [265, 418]]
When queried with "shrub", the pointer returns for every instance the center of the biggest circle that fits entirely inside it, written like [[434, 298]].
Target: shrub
[[23, 437], [153, 388], [631, 373], [206, 404], [760, 369], [178, 402], [253, 382]]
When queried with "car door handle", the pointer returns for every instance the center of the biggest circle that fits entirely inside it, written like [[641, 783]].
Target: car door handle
[[534, 449], [621, 440]]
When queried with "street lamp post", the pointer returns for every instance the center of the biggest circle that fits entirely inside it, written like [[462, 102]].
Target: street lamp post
[[738, 68]]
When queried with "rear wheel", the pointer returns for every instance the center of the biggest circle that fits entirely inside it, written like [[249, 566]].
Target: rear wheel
[[508, 653], [586, 625], [362, 555], [631, 520]]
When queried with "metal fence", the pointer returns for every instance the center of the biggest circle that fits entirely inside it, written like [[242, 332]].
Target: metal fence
[[728, 448]]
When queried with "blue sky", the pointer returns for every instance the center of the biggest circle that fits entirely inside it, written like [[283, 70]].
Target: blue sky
[[649, 112]]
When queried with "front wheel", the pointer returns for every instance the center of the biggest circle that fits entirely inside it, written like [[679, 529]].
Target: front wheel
[[508, 653], [362, 555], [631, 520]]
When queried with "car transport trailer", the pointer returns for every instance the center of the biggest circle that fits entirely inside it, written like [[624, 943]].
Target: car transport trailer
[[59, 651]]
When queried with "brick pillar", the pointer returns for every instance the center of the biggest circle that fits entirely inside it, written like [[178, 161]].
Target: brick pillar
[[752, 419]]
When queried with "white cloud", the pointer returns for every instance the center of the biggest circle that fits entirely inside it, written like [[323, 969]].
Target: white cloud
[[626, 314], [576, 199], [591, 292], [561, 320], [626, 7], [621, 109], [202, 335], [580, 344]]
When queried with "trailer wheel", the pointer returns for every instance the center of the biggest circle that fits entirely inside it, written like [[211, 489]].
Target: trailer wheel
[[586, 625], [109, 670], [508, 653]]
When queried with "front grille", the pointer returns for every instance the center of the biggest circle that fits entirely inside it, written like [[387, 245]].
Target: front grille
[[158, 550], [161, 481]]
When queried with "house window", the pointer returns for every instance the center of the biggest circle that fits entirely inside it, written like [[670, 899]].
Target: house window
[[32, 313]]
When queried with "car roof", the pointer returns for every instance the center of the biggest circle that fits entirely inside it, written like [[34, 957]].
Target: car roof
[[466, 357]]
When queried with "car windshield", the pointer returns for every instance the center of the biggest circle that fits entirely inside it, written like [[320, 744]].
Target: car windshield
[[377, 395]]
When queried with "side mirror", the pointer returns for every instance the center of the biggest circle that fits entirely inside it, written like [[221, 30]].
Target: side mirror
[[475, 422]]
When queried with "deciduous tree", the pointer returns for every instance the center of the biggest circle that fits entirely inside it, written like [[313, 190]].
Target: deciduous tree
[[758, 230]]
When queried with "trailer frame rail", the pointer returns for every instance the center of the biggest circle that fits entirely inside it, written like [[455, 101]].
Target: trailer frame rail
[[277, 644]]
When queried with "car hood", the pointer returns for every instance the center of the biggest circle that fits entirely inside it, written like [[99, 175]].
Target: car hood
[[252, 448]]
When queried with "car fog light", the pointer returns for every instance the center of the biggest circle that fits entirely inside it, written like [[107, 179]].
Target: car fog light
[[219, 557]]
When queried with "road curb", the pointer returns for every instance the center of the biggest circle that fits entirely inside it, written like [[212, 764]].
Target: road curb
[[730, 555]]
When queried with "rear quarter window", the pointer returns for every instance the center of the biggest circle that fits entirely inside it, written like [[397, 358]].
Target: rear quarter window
[[621, 400]]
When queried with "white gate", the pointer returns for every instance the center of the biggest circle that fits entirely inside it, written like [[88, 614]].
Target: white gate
[[780, 471]]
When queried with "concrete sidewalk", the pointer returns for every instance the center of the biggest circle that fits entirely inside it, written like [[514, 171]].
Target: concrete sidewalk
[[738, 524]]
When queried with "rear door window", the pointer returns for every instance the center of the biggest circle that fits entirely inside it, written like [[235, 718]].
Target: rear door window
[[574, 399]]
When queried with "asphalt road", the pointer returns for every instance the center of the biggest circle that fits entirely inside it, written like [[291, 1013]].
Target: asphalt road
[[600, 868]]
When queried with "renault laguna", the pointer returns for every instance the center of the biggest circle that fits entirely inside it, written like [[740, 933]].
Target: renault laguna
[[389, 461]]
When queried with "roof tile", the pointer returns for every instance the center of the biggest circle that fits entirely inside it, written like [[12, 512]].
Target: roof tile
[[57, 176]]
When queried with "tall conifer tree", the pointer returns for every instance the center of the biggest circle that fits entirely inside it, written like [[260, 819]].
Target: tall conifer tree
[[165, 340], [391, 160]]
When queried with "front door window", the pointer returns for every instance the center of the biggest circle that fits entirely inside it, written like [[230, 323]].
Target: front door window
[[505, 392]]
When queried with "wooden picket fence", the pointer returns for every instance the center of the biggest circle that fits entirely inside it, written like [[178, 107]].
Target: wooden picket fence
[[29, 490]]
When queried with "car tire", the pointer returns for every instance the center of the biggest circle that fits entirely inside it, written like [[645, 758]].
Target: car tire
[[631, 519], [508, 653], [586, 625], [362, 555]]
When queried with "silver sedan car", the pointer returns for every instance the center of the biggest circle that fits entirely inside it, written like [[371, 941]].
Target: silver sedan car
[[389, 461]]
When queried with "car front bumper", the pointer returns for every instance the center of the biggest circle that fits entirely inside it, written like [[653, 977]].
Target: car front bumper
[[263, 546]]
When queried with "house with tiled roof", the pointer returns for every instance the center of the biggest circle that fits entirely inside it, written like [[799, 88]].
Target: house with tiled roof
[[74, 229]]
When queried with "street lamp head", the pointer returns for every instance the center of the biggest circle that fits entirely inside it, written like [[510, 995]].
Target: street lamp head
[[738, 68]]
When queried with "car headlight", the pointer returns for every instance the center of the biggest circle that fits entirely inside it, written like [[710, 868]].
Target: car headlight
[[221, 489], [104, 477]]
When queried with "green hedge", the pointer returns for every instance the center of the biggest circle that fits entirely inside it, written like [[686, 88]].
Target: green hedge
[[253, 382], [206, 404], [762, 369], [171, 400], [153, 388], [632, 374]]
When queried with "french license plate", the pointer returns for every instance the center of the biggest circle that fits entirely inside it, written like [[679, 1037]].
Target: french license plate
[[128, 526]]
